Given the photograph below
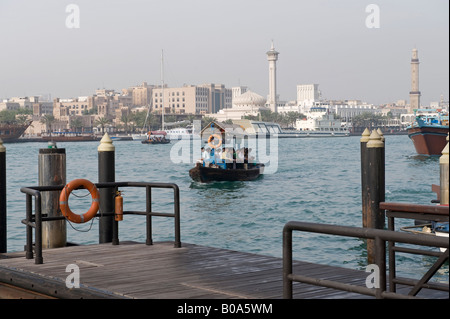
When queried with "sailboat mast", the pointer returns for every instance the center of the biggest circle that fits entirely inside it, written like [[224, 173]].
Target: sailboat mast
[[162, 87]]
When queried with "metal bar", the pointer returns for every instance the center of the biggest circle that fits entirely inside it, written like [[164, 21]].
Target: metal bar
[[29, 228], [429, 273], [38, 231], [415, 208], [149, 240], [38, 217], [287, 261], [416, 251], [380, 236], [177, 216]]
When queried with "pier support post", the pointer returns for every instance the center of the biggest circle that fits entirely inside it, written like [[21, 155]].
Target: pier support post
[[375, 188], [52, 172], [3, 215], [106, 173], [444, 176], [364, 139]]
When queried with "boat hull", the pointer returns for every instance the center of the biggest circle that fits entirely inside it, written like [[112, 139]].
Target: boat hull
[[155, 142], [10, 132], [428, 140], [206, 174]]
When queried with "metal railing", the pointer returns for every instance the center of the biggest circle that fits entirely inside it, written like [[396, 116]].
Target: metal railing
[[35, 221], [380, 236], [414, 212]]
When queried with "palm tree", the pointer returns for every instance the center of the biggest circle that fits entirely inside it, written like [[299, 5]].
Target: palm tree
[[76, 124], [48, 120], [102, 121]]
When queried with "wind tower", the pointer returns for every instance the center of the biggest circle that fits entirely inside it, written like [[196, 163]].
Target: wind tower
[[414, 95], [272, 57]]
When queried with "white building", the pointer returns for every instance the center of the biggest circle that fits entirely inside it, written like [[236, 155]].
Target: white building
[[249, 103], [307, 95]]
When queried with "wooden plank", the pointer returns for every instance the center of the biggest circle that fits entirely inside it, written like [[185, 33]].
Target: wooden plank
[[135, 270]]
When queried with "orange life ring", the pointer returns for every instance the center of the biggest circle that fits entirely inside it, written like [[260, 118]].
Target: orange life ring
[[212, 137], [64, 201]]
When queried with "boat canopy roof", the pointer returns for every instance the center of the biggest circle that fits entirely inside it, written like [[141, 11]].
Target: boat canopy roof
[[216, 127], [157, 133]]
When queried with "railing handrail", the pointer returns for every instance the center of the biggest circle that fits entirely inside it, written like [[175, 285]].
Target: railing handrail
[[380, 236], [36, 222]]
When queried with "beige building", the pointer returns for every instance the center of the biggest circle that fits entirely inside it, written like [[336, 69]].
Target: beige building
[[141, 95], [191, 99], [71, 107]]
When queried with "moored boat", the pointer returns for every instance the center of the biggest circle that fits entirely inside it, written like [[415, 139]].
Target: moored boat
[[12, 132], [69, 137], [429, 132]]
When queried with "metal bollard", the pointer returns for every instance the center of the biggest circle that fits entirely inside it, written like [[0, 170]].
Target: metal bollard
[[106, 173], [3, 215], [375, 188], [444, 176], [52, 171], [364, 139]]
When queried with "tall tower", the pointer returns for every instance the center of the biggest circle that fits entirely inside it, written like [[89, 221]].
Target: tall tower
[[414, 95], [272, 57]]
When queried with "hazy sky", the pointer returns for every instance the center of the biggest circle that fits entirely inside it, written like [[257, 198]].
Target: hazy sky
[[118, 44]]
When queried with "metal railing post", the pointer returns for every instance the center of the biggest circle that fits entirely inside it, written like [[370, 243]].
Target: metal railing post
[[287, 262]]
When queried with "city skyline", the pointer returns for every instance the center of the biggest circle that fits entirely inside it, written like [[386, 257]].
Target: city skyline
[[118, 44]]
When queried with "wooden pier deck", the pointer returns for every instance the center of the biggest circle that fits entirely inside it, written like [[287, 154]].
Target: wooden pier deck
[[160, 271]]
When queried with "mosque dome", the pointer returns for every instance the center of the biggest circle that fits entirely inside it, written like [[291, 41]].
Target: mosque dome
[[249, 98]]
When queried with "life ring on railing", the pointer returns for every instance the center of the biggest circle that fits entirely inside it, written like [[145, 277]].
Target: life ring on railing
[[212, 137], [64, 201]]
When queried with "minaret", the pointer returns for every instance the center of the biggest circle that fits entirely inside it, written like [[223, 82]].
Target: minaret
[[414, 95], [272, 57]]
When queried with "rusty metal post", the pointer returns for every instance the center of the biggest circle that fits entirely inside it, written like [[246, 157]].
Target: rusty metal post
[[3, 215], [364, 139], [375, 188], [106, 173], [444, 176]]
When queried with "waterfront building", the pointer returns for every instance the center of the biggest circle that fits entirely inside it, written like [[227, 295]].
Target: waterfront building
[[191, 99], [248, 103]]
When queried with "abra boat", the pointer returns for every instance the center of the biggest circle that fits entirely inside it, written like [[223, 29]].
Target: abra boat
[[205, 174], [429, 131], [156, 137], [12, 132]]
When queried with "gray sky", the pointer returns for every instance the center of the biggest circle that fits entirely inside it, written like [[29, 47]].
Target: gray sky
[[118, 44]]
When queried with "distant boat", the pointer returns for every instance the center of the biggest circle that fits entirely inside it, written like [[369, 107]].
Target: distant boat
[[429, 131], [156, 137], [320, 123], [182, 133], [12, 132], [69, 137]]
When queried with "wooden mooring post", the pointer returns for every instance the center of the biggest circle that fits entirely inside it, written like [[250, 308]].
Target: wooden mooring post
[[3, 216], [373, 187]]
